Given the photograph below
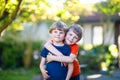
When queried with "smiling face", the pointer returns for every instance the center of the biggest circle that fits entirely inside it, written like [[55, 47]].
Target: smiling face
[[58, 35], [71, 38], [57, 32]]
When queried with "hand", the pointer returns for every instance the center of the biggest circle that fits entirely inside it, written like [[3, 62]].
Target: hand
[[44, 74], [49, 59], [64, 64]]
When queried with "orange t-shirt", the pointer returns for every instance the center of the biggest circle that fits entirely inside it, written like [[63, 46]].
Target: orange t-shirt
[[76, 67]]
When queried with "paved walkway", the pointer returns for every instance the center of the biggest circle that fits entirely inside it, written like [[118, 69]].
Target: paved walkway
[[115, 76]]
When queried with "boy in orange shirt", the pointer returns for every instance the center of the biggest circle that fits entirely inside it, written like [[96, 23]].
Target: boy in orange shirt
[[73, 35]]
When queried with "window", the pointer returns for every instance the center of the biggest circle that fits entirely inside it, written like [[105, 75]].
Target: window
[[97, 35]]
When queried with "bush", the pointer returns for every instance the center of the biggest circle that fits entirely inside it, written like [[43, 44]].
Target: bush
[[95, 56], [12, 53]]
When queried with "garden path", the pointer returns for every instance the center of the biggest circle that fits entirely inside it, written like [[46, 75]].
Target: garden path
[[114, 76]]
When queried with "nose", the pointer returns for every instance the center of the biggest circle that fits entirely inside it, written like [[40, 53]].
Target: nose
[[71, 38], [58, 34]]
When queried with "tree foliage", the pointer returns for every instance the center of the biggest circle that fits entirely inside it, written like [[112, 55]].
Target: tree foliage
[[109, 7], [8, 12], [33, 11]]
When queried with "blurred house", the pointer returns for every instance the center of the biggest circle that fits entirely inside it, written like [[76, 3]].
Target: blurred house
[[36, 32], [97, 30], [100, 29]]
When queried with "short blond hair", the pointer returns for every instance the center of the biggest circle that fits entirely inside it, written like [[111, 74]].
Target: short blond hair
[[58, 25]]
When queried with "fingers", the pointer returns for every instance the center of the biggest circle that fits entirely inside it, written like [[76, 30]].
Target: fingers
[[49, 53], [63, 64], [48, 58], [45, 75]]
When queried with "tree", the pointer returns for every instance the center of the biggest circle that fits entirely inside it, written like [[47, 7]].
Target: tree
[[34, 11], [8, 12]]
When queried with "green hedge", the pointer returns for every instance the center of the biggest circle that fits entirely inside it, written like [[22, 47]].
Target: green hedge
[[12, 53], [95, 56]]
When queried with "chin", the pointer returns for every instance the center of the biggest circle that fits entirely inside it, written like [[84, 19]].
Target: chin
[[69, 44]]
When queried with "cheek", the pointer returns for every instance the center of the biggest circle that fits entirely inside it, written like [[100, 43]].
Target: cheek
[[66, 36], [74, 41], [63, 35]]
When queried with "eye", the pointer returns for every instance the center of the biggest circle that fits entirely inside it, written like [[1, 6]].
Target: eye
[[55, 31], [61, 32], [76, 38], [70, 34]]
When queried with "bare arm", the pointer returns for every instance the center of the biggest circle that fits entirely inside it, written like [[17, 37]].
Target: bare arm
[[69, 59], [52, 49], [70, 71], [60, 57], [42, 68]]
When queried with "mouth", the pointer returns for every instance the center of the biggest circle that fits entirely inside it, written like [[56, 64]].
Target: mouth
[[70, 41], [57, 37]]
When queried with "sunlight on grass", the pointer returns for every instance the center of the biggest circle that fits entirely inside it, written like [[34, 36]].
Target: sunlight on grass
[[19, 74]]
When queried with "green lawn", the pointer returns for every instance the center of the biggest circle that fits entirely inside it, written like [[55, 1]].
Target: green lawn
[[19, 74]]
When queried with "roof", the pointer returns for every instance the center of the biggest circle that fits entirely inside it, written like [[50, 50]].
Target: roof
[[97, 17]]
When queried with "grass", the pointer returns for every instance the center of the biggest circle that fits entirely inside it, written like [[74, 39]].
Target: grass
[[19, 74]]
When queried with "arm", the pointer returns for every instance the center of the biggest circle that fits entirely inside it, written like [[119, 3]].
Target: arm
[[70, 70], [42, 68], [52, 49], [61, 58]]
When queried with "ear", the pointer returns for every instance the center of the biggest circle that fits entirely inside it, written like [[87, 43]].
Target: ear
[[50, 34], [78, 40]]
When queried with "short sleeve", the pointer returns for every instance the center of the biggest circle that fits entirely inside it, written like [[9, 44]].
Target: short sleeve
[[44, 52], [74, 49]]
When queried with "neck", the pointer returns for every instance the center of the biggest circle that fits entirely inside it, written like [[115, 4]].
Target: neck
[[58, 43]]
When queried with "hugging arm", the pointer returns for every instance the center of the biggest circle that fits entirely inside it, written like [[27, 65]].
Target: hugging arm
[[59, 57], [67, 59], [52, 49]]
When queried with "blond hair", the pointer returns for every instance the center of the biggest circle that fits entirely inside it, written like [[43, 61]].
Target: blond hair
[[58, 25]]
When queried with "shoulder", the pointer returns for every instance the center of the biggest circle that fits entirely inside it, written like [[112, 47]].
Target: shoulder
[[44, 52], [44, 49], [67, 46], [74, 46], [74, 49]]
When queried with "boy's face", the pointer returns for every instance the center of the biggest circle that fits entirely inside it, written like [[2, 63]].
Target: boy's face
[[71, 38], [58, 35]]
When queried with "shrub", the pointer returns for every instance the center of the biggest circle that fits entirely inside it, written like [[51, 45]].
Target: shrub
[[95, 56]]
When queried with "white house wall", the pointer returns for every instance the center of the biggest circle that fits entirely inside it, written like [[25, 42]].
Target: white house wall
[[41, 32], [35, 32], [88, 33]]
